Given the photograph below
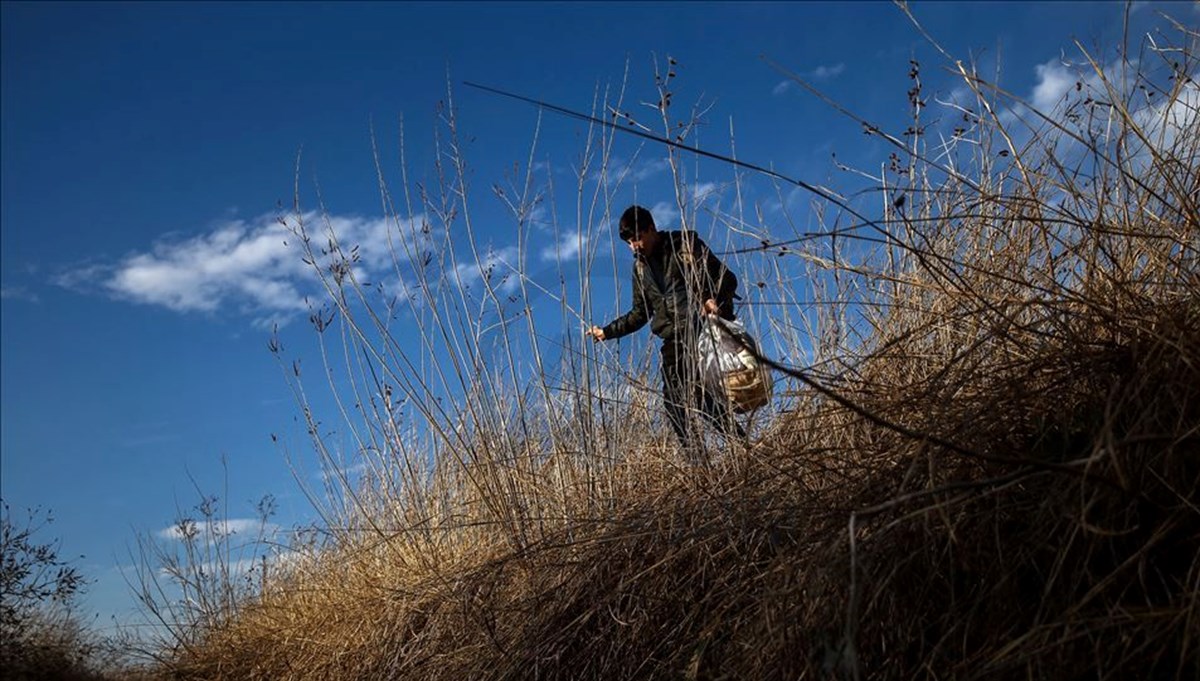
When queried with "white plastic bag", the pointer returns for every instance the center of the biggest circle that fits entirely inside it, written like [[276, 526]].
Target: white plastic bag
[[729, 366]]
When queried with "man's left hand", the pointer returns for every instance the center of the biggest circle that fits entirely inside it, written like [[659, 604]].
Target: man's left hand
[[711, 307]]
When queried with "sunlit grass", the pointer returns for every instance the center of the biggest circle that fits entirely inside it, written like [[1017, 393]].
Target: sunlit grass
[[984, 463]]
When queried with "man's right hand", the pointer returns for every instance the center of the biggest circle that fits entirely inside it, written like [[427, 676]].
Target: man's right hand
[[596, 333]]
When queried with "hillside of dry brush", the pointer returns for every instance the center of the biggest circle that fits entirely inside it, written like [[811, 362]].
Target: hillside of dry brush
[[993, 471]]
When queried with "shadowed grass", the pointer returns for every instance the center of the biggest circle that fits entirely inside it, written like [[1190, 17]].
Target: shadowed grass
[[987, 469]]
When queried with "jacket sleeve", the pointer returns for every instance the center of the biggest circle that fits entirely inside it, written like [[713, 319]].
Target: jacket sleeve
[[637, 316], [718, 282]]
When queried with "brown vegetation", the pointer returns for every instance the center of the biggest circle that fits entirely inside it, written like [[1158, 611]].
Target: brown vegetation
[[989, 470]]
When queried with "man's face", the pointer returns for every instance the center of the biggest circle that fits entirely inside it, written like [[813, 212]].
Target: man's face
[[643, 242]]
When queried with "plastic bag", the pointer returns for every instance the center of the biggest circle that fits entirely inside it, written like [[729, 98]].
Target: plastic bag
[[729, 366]]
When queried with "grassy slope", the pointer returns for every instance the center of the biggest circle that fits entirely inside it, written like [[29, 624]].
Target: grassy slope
[[1000, 480]]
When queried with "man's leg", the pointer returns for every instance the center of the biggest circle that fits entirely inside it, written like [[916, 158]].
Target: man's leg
[[678, 399]]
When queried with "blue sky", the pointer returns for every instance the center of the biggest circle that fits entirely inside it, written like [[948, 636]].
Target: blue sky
[[146, 146]]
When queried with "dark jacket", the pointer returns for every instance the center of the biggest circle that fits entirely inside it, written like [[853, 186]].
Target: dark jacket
[[670, 287]]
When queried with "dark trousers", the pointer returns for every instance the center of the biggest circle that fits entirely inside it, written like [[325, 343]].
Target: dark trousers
[[684, 395]]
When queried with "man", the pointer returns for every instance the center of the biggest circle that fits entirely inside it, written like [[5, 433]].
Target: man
[[676, 280]]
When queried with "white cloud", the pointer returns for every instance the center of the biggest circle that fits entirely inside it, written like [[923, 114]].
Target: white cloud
[[824, 72], [961, 96], [1165, 121], [1062, 92], [650, 168], [1061, 84], [18, 293], [704, 190], [236, 567], [82, 277], [255, 266], [539, 217], [209, 532], [666, 215], [570, 244], [638, 170], [336, 474], [1054, 81], [1059, 88], [497, 265]]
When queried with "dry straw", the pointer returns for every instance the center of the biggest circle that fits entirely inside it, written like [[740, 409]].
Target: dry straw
[[987, 468]]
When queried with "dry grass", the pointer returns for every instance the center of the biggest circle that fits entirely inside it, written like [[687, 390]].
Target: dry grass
[[990, 468]]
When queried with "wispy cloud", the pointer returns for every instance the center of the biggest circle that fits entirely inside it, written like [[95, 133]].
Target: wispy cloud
[[18, 293], [822, 72], [234, 567], [1056, 80], [338, 473], [1077, 96], [619, 169], [1060, 87], [253, 266], [649, 168], [705, 190], [1164, 122], [568, 247], [960, 95], [666, 214], [826, 72], [211, 531], [495, 265]]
